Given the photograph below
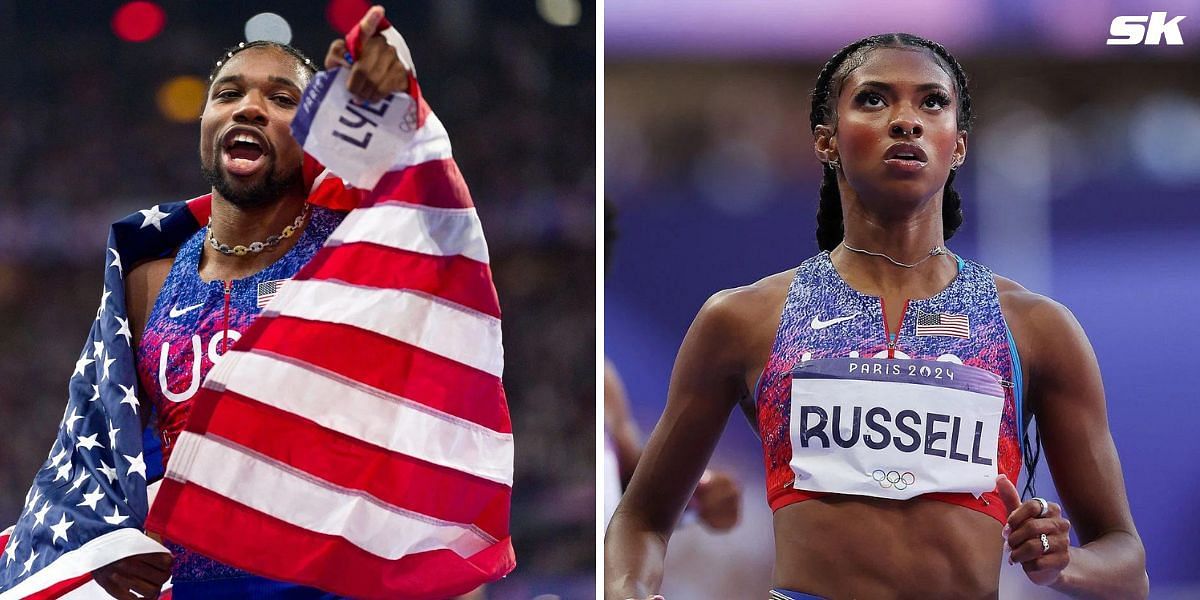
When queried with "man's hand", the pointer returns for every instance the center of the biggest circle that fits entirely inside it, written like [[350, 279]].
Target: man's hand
[[718, 500], [135, 577], [377, 71], [1036, 533]]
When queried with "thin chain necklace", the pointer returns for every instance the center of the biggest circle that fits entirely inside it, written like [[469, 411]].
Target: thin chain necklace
[[257, 247], [935, 251]]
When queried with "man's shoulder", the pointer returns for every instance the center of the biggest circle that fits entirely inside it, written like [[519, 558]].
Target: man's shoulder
[[142, 285], [147, 273]]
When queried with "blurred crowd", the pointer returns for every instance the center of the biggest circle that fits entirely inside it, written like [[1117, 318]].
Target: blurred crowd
[[735, 136], [82, 143]]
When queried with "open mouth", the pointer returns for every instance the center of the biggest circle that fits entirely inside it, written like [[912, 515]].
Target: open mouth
[[907, 157], [243, 152]]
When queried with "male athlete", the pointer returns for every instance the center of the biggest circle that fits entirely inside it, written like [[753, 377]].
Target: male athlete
[[186, 310]]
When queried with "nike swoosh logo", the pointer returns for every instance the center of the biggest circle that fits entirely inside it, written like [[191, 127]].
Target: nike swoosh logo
[[179, 312], [817, 323]]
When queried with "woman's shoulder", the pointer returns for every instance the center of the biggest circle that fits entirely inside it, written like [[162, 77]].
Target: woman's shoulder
[[1037, 321], [735, 323], [769, 290], [743, 309], [1027, 305], [751, 297]]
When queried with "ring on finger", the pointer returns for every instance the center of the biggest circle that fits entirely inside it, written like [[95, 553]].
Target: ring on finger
[[1045, 506], [1045, 543]]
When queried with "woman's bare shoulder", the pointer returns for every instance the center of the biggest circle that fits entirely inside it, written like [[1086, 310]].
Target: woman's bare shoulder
[[1046, 332], [737, 324], [749, 303], [1031, 309]]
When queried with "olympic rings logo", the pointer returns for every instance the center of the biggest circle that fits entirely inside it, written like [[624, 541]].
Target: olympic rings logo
[[408, 123], [889, 479]]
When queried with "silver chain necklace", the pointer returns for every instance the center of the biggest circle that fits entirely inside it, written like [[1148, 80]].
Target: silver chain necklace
[[935, 251], [257, 247]]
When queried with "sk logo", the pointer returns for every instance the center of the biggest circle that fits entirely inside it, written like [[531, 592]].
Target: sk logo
[[1129, 31]]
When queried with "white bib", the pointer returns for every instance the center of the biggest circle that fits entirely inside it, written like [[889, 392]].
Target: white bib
[[358, 142], [894, 428]]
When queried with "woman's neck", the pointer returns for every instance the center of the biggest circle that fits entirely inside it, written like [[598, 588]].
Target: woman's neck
[[908, 237]]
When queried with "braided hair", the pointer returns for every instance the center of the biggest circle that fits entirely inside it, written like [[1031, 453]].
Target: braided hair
[[830, 229], [229, 53]]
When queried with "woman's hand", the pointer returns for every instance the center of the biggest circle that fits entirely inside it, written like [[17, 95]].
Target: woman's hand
[[1037, 534]]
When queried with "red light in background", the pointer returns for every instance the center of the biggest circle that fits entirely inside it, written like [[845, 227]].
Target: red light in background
[[343, 15], [138, 21]]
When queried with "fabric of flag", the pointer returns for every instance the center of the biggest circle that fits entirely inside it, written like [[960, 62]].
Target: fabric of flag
[[357, 437], [88, 501], [73, 588], [267, 291], [945, 324]]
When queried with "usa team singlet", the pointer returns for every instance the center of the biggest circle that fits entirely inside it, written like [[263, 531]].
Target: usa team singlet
[[184, 336], [838, 406]]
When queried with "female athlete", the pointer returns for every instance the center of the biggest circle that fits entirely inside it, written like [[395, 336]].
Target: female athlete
[[891, 381]]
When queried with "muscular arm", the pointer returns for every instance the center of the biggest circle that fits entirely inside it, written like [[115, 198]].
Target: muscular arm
[[1066, 394], [706, 382], [142, 286]]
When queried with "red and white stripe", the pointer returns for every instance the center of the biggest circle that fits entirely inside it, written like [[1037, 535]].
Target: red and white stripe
[[357, 437]]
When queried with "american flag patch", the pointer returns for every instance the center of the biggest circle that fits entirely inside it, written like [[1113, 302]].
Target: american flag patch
[[930, 324], [267, 290]]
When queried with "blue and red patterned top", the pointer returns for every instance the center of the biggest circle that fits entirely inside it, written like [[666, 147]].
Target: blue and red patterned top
[[823, 317], [184, 336]]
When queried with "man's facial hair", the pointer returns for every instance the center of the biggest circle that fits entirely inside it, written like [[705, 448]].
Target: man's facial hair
[[261, 193]]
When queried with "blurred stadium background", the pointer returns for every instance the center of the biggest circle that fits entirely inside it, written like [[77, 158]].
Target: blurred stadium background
[[1081, 182], [99, 119]]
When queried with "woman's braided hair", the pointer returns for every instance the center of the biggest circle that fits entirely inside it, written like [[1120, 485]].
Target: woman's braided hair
[[824, 99]]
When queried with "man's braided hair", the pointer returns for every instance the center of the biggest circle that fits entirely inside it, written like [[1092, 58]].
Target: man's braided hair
[[243, 46]]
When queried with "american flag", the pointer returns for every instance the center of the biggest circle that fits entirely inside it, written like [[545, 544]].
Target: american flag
[[943, 324], [267, 290], [357, 437], [88, 501]]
